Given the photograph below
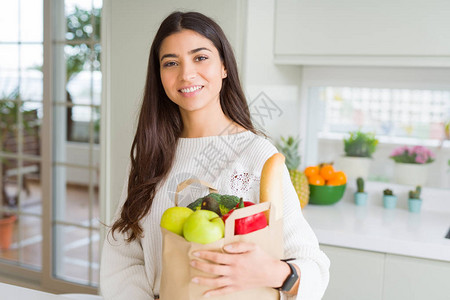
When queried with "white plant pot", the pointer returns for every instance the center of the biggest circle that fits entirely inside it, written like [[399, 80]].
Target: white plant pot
[[411, 174], [354, 167]]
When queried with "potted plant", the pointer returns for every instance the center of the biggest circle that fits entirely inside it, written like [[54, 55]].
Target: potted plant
[[411, 164], [414, 200], [389, 199], [8, 136], [359, 148], [7, 221], [360, 196]]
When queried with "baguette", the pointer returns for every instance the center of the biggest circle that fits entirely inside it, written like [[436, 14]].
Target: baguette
[[271, 184]]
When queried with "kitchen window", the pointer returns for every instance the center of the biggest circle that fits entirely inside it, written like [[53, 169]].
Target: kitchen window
[[390, 113], [403, 106]]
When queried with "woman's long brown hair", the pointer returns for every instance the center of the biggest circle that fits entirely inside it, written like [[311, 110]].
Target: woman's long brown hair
[[160, 125]]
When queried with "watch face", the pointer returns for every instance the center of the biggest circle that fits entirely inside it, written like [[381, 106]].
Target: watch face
[[290, 280]]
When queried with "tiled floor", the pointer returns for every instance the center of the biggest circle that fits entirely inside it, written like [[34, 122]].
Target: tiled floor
[[72, 252]]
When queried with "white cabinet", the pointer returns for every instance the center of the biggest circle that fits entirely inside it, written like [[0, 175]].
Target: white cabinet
[[358, 274], [415, 278], [355, 32], [354, 274]]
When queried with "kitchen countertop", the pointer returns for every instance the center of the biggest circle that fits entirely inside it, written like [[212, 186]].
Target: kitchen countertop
[[375, 228], [13, 292]]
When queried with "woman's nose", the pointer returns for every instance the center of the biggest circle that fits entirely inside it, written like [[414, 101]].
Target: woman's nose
[[188, 72]]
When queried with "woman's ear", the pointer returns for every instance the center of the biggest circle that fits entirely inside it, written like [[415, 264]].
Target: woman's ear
[[224, 72]]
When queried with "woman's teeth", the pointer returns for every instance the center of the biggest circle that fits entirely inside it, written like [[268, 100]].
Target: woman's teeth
[[191, 89]]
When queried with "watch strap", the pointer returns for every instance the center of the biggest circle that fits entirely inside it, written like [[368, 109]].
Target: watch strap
[[290, 280]]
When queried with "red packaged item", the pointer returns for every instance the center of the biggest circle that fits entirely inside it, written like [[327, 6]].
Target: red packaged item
[[248, 224]]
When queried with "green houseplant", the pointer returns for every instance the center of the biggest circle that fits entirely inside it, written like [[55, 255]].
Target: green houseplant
[[9, 112], [360, 144], [389, 199], [411, 164], [360, 196], [414, 200], [359, 148]]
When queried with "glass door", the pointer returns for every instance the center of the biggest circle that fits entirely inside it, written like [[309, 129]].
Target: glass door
[[50, 87], [21, 112]]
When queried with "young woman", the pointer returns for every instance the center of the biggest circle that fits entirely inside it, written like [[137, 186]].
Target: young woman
[[195, 123]]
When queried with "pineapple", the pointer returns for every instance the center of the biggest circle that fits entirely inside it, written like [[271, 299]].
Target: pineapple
[[289, 148]]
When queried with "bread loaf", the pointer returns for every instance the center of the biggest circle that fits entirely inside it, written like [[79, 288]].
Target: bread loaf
[[271, 184]]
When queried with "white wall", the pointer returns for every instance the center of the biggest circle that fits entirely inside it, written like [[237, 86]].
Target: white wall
[[260, 74], [129, 30]]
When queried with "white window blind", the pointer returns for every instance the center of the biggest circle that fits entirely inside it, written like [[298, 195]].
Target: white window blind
[[406, 113]]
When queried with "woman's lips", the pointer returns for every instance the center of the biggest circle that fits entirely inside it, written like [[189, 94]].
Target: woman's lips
[[191, 90]]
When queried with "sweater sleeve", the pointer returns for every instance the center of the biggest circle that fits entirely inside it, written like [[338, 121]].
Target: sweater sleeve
[[122, 269], [301, 243], [122, 274]]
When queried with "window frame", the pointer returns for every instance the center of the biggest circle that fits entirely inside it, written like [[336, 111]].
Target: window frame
[[363, 77], [45, 279]]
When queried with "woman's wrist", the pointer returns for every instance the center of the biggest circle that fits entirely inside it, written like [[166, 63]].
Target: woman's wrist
[[280, 274]]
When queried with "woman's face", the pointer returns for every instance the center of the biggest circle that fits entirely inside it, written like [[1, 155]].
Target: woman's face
[[191, 71]]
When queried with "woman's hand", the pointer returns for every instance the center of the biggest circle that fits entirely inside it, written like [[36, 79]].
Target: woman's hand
[[244, 266]]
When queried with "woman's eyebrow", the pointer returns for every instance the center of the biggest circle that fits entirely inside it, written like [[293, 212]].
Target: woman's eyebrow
[[190, 52], [168, 55], [198, 49]]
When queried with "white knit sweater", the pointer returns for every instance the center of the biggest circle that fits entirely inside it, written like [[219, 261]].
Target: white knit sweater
[[232, 164]]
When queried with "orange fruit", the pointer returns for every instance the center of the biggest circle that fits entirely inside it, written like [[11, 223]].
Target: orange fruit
[[339, 177], [334, 181], [316, 180], [311, 170], [327, 172]]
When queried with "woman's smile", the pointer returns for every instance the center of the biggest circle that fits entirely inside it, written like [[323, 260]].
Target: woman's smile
[[191, 91]]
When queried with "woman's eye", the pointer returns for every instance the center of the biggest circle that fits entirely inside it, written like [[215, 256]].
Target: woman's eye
[[169, 64], [200, 58]]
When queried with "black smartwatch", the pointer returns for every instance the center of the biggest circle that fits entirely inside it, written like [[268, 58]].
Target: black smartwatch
[[290, 280]]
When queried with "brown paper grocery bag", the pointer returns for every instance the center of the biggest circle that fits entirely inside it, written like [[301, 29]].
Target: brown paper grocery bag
[[181, 186], [177, 254]]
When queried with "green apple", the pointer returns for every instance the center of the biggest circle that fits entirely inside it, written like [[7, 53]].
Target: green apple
[[203, 227], [173, 218]]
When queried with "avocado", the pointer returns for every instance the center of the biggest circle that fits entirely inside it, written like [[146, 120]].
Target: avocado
[[209, 203]]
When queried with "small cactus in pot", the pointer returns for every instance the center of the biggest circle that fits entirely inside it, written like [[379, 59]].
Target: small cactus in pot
[[389, 199], [388, 192], [360, 195], [415, 194], [360, 184], [414, 200]]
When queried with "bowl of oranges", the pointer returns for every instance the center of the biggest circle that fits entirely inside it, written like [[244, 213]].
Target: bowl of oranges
[[326, 185]]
